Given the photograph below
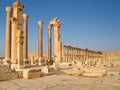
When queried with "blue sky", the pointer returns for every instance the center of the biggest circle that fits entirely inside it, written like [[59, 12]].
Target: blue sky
[[92, 24]]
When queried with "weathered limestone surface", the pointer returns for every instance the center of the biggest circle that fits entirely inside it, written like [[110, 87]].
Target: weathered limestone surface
[[94, 72], [45, 70], [113, 73], [63, 82], [57, 44], [65, 64], [32, 73], [40, 42], [14, 43], [8, 35], [25, 44], [70, 54], [51, 69], [20, 42], [73, 72], [50, 43], [16, 39], [7, 74]]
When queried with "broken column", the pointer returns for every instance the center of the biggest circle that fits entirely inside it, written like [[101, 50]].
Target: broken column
[[8, 35], [40, 42]]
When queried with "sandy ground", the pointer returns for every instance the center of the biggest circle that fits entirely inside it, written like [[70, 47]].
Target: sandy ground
[[63, 82]]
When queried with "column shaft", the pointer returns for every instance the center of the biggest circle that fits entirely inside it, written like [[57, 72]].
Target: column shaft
[[40, 41], [25, 45], [49, 44], [8, 35], [13, 44], [20, 49]]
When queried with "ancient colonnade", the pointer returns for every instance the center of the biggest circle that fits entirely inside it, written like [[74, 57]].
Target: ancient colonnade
[[16, 49], [70, 54]]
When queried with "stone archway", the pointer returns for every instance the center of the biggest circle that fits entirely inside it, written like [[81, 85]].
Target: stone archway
[[57, 43]]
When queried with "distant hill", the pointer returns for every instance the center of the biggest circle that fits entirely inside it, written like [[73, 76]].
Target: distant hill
[[2, 57], [35, 54]]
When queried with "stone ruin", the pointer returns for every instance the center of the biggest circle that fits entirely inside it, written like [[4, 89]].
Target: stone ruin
[[17, 64]]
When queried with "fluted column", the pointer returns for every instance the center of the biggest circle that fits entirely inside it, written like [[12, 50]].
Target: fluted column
[[25, 45], [50, 44], [8, 35], [40, 42]]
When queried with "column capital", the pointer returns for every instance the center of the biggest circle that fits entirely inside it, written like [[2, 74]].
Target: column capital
[[18, 5], [49, 27], [25, 16], [40, 23], [8, 9]]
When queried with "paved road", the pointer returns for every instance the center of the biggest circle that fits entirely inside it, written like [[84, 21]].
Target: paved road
[[63, 82]]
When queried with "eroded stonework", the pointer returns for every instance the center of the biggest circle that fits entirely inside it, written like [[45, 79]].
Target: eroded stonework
[[66, 59]]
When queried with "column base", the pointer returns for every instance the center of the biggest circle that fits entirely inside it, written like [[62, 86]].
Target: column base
[[6, 61], [41, 61], [20, 66], [13, 67], [26, 63], [19, 70]]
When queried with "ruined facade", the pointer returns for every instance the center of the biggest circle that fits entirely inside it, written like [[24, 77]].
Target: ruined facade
[[57, 43]]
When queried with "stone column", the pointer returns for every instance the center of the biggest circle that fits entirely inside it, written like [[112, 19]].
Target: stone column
[[50, 44], [86, 54], [59, 52], [19, 49], [13, 44], [18, 12], [25, 45], [8, 35], [40, 42], [56, 39]]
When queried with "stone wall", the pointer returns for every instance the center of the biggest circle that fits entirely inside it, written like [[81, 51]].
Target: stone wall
[[7, 74]]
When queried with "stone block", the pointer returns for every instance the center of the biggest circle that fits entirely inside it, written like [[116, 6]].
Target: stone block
[[95, 70], [45, 70], [93, 74], [20, 74], [65, 64], [113, 73], [13, 75], [49, 70], [73, 72], [32, 73], [8, 76]]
